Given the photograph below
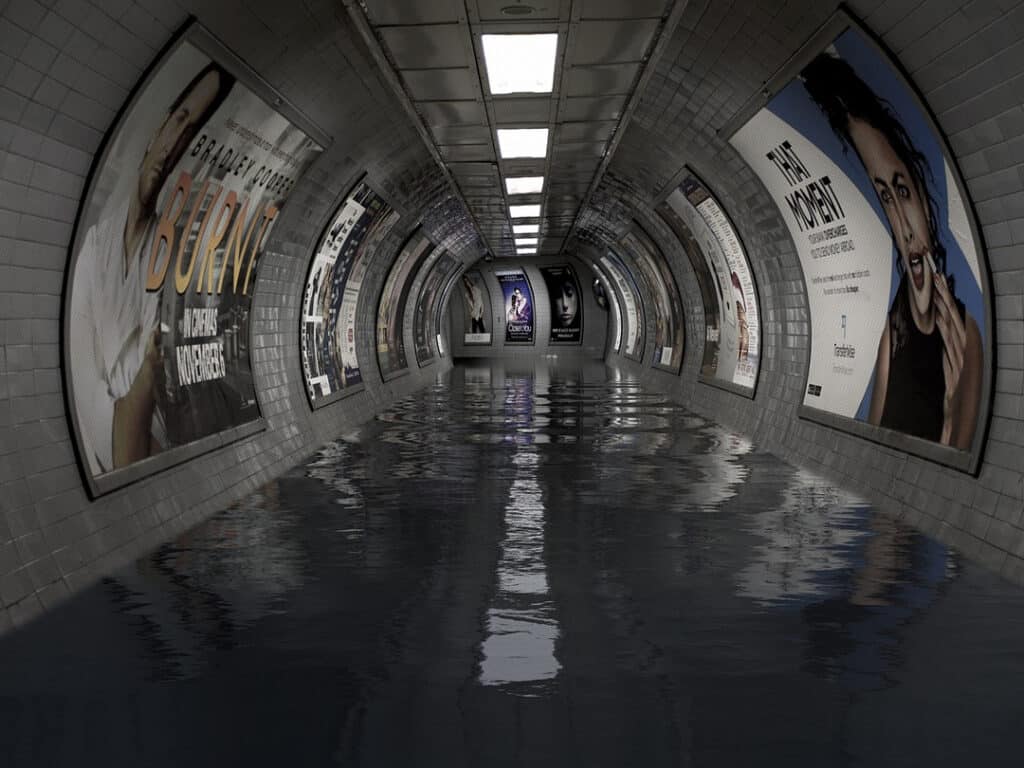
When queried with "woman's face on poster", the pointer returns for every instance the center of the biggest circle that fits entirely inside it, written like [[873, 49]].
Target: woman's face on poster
[[567, 304], [905, 206]]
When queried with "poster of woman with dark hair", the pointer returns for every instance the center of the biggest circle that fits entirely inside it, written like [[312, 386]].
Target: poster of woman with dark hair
[[893, 269]]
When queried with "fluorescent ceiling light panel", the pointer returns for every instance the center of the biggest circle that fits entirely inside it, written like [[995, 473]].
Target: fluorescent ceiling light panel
[[522, 142], [524, 211], [520, 63], [526, 241], [524, 185], [525, 229], [526, 251]]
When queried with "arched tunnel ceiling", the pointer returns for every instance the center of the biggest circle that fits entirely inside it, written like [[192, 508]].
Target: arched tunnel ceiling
[[433, 57]]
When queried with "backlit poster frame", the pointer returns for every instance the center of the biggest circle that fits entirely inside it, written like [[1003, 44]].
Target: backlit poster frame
[[518, 306], [565, 303], [425, 317], [392, 359], [732, 315], [613, 300], [202, 158], [634, 320], [473, 279], [343, 253], [844, 221], [668, 306]]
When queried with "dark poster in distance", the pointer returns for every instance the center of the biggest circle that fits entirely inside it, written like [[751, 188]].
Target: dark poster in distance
[[566, 308]]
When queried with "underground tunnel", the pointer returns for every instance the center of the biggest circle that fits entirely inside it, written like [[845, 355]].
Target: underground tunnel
[[490, 382]]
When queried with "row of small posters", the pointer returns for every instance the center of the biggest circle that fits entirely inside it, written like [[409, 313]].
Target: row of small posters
[[167, 248], [564, 296]]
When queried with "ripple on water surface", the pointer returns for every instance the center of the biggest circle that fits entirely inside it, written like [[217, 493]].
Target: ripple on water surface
[[543, 566]]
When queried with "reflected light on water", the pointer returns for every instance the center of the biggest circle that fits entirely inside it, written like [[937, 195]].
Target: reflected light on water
[[521, 627]]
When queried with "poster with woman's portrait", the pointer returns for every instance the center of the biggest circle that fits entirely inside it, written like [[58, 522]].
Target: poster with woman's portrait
[[476, 305], [891, 260], [518, 306], [566, 307], [180, 206], [731, 315]]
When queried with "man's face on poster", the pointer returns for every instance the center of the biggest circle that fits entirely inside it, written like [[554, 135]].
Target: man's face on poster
[[174, 135], [902, 197]]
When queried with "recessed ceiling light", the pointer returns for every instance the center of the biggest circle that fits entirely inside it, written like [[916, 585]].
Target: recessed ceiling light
[[520, 63], [524, 185], [522, 142], [526, 251], [526, 241], [525, 229], [524, 211]]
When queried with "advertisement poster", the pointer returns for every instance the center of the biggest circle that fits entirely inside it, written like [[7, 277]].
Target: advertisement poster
[[391, 310], [566, 307], [731, 316], [476, 303], [630, 304], [518, 307], [424, 321], [611, 303], [329, 361], [893, 271], [668, 309], [165, 257]]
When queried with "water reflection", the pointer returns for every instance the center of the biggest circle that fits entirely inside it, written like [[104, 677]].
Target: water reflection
[[529, 566], [518, 651]]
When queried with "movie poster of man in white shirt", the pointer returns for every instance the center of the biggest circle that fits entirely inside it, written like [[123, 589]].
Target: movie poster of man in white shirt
[[179, 209]]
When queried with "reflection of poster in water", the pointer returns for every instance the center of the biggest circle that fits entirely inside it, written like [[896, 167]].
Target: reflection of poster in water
[[566, 307], [731, 316], [871, 201], [329, 304], [631, 303], [476, 302], [424, 329], [170, 234], [668, 309], [391, 310], [518, 306]]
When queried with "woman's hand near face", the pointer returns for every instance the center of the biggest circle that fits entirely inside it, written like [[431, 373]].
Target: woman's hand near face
[[961, 367]]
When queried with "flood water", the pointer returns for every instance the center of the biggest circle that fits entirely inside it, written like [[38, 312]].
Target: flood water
[[530, 568]]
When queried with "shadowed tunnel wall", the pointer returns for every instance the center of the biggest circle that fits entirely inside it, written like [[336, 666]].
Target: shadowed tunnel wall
[[67, 67]]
